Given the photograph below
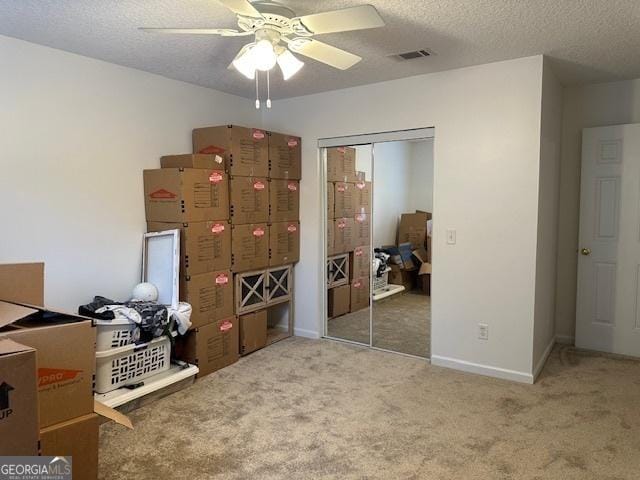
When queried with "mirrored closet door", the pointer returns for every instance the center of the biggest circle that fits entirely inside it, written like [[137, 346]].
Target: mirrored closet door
[[379, 217], [348, 198]]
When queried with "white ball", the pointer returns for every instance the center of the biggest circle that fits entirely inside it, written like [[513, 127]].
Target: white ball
[[146, 292]]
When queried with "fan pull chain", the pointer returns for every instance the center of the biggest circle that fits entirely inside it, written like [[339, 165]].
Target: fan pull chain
[[268, 91], [257, 93]]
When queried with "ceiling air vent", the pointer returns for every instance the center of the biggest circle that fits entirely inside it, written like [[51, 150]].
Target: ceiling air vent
[[415, 54]]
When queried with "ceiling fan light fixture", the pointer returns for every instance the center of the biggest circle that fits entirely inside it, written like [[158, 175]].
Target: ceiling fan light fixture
[[289, 64], [244, 62], [263, 55]]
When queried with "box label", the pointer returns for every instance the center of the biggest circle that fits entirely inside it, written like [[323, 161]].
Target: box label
[[226, 326], [222, 279], [217, 228], [52, 376], [292, 228], [258, 232], [215, 177], [292, 142], [258, 185], [292, 186], [258, 134], [212, 150], [162, 194]]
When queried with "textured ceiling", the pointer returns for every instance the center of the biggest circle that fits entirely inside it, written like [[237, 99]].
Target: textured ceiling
[[589, 40]]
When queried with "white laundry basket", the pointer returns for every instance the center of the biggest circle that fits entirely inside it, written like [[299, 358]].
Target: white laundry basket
[[115, 333], [382, 281], [128, 365]]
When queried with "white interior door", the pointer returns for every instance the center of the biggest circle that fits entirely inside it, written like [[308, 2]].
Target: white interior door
[[608, 303]]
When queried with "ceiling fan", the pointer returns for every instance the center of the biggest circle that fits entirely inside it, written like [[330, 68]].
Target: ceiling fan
[[278, 32]]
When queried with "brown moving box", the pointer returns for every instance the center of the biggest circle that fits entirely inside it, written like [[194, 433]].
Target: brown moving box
[[330, 237], [18, 399], [362, 229], [249, 200], [193, 160], [413, 229], [331, 201], [65, 346], [285, 153], [186, 195], [284, 201], [339, 300], [424, 272], [345, 197], [76, 438], [362, 197], [343, 235], [341, 164], [210, 295], [253, 331], [249, 247], [210, 347], [246, 150], [284, 243], [400, 276], [22, 283], [204, 246], [360, 262], [359, 294]]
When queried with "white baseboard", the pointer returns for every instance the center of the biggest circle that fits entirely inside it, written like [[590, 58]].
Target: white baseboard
[[565, 339], [545, 355], [301, 332], [480, 369]]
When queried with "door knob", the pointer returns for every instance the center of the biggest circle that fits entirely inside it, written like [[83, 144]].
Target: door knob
[[585, 251]]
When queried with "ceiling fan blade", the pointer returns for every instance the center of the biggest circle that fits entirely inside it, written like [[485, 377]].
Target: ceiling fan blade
[[324, 53], [225, 32], [241, 7], [354, 18]]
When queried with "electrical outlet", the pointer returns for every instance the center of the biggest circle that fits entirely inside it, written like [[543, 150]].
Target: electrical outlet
[[483, 331]]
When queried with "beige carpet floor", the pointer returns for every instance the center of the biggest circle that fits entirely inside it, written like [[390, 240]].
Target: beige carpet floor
[[318, 409], [401, 323]]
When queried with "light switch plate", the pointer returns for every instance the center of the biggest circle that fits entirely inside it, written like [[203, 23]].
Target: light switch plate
[[451, 237]]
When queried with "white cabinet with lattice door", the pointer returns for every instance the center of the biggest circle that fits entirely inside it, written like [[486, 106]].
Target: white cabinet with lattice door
[[262, 288], [338, 270]]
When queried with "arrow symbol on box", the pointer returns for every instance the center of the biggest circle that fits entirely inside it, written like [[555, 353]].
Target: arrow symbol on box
[[5, 388]]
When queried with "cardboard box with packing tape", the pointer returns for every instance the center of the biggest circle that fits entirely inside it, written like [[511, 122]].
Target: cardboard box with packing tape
[[204, 246], [343, 235], [362, 197], [210, 295], [341, 164], [249, 200], [249, 247], [212, 346], [344, 199], [360, 297], [285, 153], [186, 195], [284, 203], [47, 363], [360, 262], [284, 243], [339, 300], [245, 150], [253, 331], [194, 160]]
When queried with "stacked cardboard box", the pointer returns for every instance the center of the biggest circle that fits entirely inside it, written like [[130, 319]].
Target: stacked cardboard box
[[236, 200], [349, 229], [191, 193], [415, 269], [47, 365]]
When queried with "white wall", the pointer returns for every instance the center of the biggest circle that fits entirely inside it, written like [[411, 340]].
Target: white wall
[[421, 178], [76, 135], [363, 161], [487, 145], [588, 106], [548, 193], [391, 182]]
